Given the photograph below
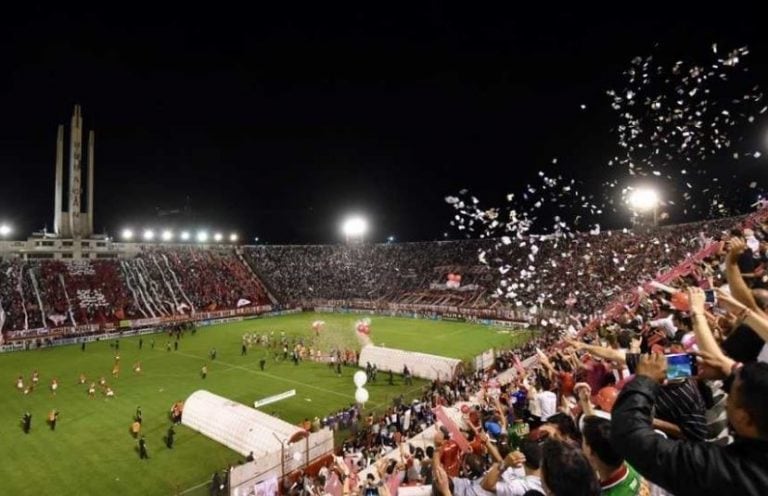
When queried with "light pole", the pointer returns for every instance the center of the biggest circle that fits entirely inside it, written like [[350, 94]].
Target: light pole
[[354, 229], [644, 201]]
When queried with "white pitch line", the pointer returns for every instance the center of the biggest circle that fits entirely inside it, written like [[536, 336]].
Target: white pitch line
[[195, 487]]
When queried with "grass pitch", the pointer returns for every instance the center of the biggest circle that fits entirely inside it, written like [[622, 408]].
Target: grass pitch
[[92, 452]]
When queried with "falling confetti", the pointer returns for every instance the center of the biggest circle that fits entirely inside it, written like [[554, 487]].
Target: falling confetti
[[682, 113], [672, 117]]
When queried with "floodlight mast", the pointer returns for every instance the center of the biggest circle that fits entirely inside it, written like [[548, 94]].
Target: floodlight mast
[[644, 201], [354, 229]]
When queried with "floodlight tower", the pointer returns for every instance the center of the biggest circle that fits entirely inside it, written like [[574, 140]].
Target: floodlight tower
[[354, 229], [644, 202]]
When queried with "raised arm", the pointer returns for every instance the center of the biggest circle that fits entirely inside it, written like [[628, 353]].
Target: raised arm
[[756, 320], [604, 352], [704, 337], [739, 288], [683, 468]]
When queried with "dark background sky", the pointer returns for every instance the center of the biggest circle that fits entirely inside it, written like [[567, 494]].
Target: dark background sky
[[276, 123]]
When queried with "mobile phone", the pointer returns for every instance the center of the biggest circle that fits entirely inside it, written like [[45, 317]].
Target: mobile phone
[[710, 296], [681, 366]]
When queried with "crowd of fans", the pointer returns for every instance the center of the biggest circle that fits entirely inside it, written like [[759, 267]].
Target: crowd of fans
[[160, 282], [371, 271], [582, 270], [603, 412], [669, 397]]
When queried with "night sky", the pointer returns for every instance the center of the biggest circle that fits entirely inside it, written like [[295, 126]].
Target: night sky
[[277, 123]]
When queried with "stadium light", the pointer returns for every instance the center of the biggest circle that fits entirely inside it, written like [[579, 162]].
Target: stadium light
[[643, 199], [167, 235], [149, 235], [391, 239], [354, 227], [184, 235], [218, 237], [202, 236], [5, 230], [127, 234], [233, 238]]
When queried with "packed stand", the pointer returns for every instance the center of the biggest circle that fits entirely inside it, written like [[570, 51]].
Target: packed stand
[[341, 272], [668, 398], [160, 282], [581, 270]]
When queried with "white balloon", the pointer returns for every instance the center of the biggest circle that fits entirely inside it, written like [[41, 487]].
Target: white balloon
[[361, 395], [360, 378]]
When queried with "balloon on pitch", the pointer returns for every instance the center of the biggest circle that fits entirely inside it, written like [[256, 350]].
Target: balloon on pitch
[[361, 395], [360, 378]]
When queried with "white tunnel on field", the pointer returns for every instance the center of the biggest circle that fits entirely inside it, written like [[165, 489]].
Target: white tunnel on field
[[239, 427], [422, 365]]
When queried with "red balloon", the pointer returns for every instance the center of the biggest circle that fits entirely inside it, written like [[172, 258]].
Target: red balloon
[[680, 301], [363, 328]]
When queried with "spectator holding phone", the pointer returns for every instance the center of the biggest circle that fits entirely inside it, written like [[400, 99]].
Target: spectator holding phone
[[697, 468], [680, 409]]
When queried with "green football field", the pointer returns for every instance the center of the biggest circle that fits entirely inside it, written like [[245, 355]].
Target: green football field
[[92, 451]]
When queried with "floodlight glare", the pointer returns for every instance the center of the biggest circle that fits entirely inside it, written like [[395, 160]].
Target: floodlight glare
[[643, 199], [218, 237], [149, 235], [202, 236], [233, 237], [184, 235], [5, 230], [354, 227], [167, 235], [127, 234]]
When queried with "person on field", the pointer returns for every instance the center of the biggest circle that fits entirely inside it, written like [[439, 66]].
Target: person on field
[[53, 417], [169, 437], [27, 422], [143, 455]]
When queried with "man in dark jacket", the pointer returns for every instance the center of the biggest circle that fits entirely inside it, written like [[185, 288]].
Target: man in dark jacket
[[697, 468]]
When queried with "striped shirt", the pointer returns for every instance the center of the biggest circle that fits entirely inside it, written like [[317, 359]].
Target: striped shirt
[[680, 403]]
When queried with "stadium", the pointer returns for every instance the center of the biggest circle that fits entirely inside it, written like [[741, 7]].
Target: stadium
[[111, 334], [524, 351]]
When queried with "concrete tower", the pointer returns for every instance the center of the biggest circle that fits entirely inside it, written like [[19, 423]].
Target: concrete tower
[[91, 139], [75, 172], [70, 223], [58, 193]]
